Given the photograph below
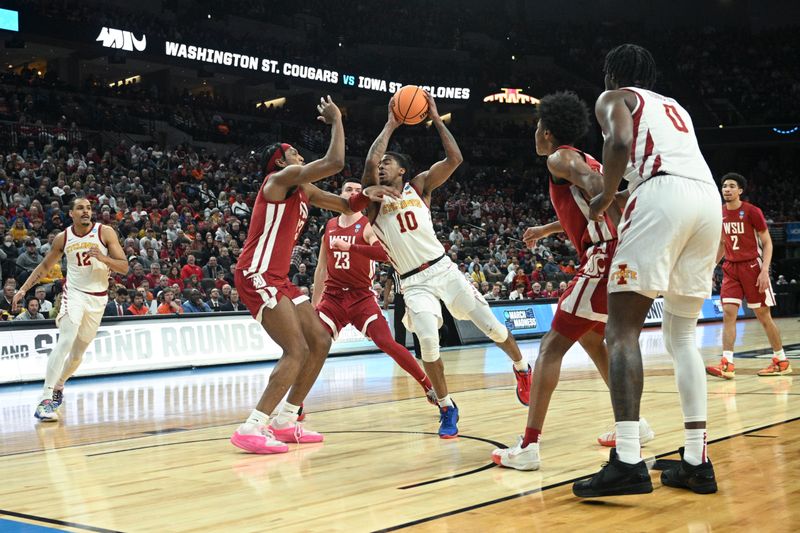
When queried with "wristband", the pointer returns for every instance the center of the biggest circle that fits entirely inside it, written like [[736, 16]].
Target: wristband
[[359, 202]]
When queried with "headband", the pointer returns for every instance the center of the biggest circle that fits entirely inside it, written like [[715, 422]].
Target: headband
[[279, 153]]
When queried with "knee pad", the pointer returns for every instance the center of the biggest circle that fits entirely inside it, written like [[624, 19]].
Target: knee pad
[[427, 330], [683, 306], [485, 321], [430, 348]]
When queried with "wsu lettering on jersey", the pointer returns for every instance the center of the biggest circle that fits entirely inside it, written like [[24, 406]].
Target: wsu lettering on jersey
[[347, 270], [741, 228]]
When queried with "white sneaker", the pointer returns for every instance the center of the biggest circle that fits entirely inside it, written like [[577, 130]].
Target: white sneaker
[[518, 457], [646, 434]]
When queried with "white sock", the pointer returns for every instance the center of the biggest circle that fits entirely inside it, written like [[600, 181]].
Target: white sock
[[257, 418], [521, 365], [287, 416], [728, 355], [780, 354], [628, 447], [446, 401], [56, 361], [694, 451]]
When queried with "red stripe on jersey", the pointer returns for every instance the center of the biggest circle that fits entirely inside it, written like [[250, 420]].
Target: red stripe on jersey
[[656, 165], [648, 151], [637, 118]]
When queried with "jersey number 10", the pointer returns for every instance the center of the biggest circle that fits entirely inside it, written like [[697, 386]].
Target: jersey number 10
[[411, 221]]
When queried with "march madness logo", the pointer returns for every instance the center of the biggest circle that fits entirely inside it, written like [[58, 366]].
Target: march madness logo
[[121, 40], [520, 319], [622, 275]]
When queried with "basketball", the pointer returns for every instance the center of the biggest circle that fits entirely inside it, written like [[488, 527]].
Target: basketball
[[410, 105]]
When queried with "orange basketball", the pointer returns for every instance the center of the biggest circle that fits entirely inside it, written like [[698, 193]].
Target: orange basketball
[[410, 105]]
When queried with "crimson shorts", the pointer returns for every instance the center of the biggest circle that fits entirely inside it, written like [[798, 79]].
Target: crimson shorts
[[258, 291], [584, 305], [338, 308], [739, 281]]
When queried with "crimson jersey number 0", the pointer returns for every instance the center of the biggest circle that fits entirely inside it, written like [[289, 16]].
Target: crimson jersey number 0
[[411, 221], [676, 119]]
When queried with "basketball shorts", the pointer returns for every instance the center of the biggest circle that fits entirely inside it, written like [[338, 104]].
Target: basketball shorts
[[668, 238], [443, 281], [584, 305], [260, 291], [84, 310], [339, 308], [739, 281]]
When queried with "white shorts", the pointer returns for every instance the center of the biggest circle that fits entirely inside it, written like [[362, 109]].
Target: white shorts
[[84, 310], [668, 238], [443, 281]]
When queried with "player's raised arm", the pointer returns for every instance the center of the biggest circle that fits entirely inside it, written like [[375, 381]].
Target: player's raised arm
[[378, 148], [115, 259], [52, 257], [333, 161], [441, 170], [613, 111]]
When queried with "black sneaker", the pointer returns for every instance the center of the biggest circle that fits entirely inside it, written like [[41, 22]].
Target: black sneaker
[[699, 479], [616, 478]]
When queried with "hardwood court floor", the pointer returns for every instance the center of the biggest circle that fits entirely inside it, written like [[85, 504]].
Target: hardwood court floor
[[151, 452]]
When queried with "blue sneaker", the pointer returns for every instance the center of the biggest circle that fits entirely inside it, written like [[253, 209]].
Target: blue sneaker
[[46, 411], [448, 417]]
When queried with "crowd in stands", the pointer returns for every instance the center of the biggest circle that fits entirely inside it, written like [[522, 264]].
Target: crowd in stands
[[182, 217]]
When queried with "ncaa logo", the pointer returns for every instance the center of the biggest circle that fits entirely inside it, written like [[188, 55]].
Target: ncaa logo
[[121, 40]]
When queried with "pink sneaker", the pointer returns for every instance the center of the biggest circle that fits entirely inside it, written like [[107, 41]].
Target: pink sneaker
[[257, 439], [296, 433]]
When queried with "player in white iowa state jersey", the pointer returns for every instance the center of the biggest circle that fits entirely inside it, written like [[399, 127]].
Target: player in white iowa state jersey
[[668, 239], [427, 275], [91, 249]]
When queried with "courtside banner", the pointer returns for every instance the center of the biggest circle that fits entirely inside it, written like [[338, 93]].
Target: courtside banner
[[523, 319], [141, 345]]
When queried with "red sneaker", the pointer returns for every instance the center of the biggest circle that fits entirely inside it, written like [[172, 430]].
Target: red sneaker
[[725, 369], [523, 385]]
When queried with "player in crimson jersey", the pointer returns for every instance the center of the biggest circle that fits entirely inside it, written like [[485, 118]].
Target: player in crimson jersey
[[261, 276], [667, 242], [747, 249], [343, 286], [582, 309]]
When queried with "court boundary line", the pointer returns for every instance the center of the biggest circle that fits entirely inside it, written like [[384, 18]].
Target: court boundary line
[[394, 432], [56, 522], [560, 483]]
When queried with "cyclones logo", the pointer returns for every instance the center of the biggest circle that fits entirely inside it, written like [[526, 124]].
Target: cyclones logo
[[622, 275]]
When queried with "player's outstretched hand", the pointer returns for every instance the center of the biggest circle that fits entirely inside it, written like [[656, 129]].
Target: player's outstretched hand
[[762, 282], [598, 206], [433, 111], [340, 244], [328, 111], [15, 301], [392, 119], [532, 235], [376, 193]]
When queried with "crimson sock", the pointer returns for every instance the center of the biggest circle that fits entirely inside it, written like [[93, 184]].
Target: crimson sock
[[379, 332], [531, 436]]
